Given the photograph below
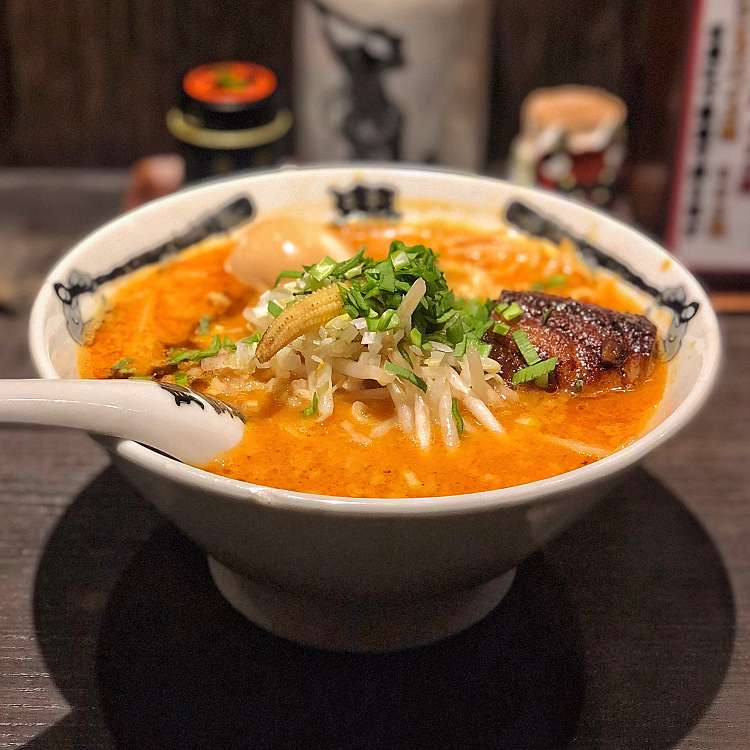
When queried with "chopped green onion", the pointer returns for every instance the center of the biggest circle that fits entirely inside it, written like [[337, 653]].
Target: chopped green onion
[[405, 374], [446, 316], [500, 307], [121, 364], [460, 349], [438, 337], [454, 333], [513, 311], [229, 344], [457, 418], [532, 372], [288, 275], [415, 336], [400, 260], [180, 356], [356, 261], [194, 355], [359, 300], [322, 269], [542, 381], [254, 339], [545, 315], [501, 328], [370, 288], [557, 279], [275, 309], [181, 378], [354, 271], [482, 329], [203, 325], [404, 351], [385, 320], [528, 352], [312, 410], [387, 275]]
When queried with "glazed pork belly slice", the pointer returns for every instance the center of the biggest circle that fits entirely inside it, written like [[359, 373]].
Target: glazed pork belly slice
[[596, 348]]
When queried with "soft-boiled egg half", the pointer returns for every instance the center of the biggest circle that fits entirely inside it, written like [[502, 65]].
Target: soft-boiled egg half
[[268, 247]]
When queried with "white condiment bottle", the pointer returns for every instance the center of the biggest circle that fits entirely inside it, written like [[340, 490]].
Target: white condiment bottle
[[393, 79]]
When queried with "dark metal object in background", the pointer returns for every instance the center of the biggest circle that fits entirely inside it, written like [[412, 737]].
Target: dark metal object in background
[[229, 119]]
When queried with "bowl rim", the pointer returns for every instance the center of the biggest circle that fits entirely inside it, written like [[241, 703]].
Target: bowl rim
[[290, 500]]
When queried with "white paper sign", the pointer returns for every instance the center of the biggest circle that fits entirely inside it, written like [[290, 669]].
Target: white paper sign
[[709, 226]]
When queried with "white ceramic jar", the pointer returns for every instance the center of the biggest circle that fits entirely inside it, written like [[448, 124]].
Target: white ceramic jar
[[392, 80]]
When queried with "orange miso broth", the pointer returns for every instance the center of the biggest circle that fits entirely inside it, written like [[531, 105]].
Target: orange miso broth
[[190, 302]]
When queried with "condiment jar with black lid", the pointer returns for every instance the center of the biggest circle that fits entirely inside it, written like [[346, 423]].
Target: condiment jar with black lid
[[229, 119]]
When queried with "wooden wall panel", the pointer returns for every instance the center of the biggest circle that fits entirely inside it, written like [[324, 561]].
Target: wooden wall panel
[[90, 80]]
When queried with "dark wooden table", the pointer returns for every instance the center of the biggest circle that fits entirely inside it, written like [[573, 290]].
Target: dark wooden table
[[632, 630]]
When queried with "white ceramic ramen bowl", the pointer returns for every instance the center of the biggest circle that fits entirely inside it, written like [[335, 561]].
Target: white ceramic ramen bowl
[[372, 574]]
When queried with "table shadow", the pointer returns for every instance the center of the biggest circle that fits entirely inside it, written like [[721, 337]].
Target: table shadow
[[596, 644]]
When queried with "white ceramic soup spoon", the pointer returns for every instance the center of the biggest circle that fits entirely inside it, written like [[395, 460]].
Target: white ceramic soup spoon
[[175, 420]]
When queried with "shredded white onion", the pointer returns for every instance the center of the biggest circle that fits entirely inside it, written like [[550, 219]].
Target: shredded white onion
[[410, 301], [403, 409], [577, 446], [458, 385], [445, 414], [422, 422], [439, 347], [363, 371], [384, 427], [343, 354], [482, 414], [497, 384], [476, 374], [357, 437]]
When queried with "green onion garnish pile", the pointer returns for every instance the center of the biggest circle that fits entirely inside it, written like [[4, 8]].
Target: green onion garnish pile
[[373, 290]]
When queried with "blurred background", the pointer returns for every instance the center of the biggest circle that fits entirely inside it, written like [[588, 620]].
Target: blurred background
[[99, 85]]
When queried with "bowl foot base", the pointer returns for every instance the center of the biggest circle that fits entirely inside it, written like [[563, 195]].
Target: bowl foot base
[[336, 625]]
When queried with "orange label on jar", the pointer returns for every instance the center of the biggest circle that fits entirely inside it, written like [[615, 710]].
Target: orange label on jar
[[229, 82]]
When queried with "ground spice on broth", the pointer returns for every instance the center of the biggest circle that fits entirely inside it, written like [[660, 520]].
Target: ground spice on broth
[[160, 308]]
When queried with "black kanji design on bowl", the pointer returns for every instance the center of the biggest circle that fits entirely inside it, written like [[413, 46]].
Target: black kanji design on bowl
[[373, 201], [674, 298], [225, 218]]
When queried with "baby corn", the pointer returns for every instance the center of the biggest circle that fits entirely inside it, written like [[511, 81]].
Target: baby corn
[[307, 314]]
